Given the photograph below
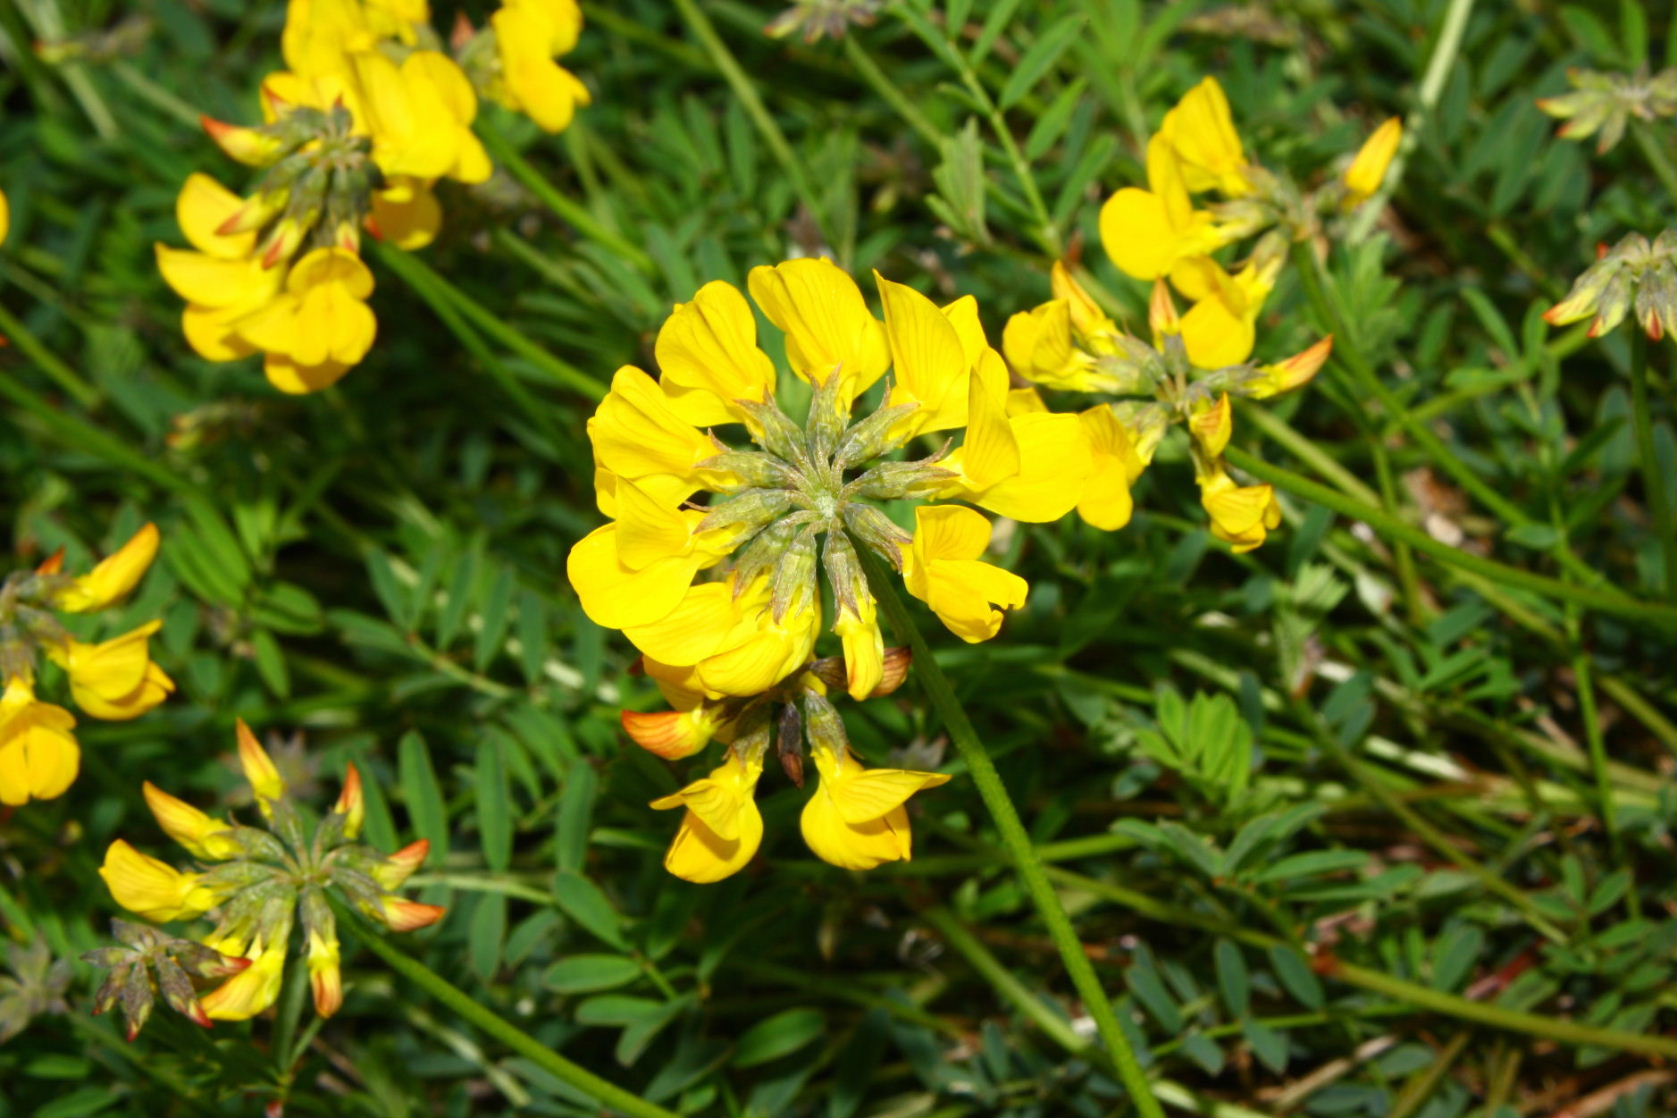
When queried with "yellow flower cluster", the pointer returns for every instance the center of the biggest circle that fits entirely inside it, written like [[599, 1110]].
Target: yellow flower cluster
[[367, 117], [1162, 232], [264, 882], [1195, 361], [799, 504], [113, 680]]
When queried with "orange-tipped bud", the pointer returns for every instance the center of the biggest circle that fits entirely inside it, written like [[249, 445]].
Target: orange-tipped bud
[[896, 664], [259, 769], [462, 33], [204, 835], [671, 734], [1295, 372], [283, 242], [52, 564], [1161, 311], [402, 915], [247, 145], [347, 237], [1213, 426], [352, 803], [325, 975], [396, 869]]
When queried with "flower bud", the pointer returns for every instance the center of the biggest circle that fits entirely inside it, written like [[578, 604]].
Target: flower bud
[[254, 147], [352, 803], [673, 734], [402, 915], [202, 834], [794, 588], [394, 871], [259, 769]]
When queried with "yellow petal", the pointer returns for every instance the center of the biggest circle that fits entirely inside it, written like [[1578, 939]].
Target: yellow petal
[[1212, 426], [39, 756], [722, 828], [253, 989], [210, 281], [205, 836], [1368, 169], [409, 217], [201, 208], [637, 433], [707, 351], [1201, 129], [1106, 502], [991, 452], [156, 890], [929, 356], [259, 769], [1054, 465], [827, 324], [294, 379], [616, 596], [114, 576]]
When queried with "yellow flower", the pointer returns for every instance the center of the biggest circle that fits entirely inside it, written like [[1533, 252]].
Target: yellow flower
[[529, 35], [1031, 466], [707, 351], [855, 818], [864, 647], [1241, 515], [393, 871], [5, 217], [39, 756], [156, 890], [1146, 232], [722, 828], [1220, 329], [402, 915], [204, 835], [419, 115], [933, 355], [635, 571], [113, 577], [1201, 131], [320, 326], [717, 642], [1368, 169], [1105, 501], [253, 989], [943, 570], [116, 679]]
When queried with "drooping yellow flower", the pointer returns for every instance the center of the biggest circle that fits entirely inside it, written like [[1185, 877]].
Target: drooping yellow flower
[[856, 817], [720, 642], [116, 679], [1220, 329], [943, 569], [320, 326], [1106, 501], [253, 989], [1368, 169], [1241, 515], [722, 827], [529, 36], [39, 756], [325, 973], [113, 577], [154, 889]]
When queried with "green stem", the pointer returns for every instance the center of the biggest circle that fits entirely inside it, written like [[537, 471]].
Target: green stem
[[1653, 150], [1046, 235], [1426, 99], [431, 286], [607, 1093], [50, 363], [1605, 601], [1541, 1026], [1657, 489], [1349, 354], [564, 207], [880, 82], [761, 118], [1005, 981], [1027, 862]]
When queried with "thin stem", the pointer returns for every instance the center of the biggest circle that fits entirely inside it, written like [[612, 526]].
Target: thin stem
[[880, 82], [1654, 151], [1426, 100], [83, 436], [1541, 1026], [564, 207], [431, 285], [609, 1094], [1656, 487], [50, 363], [743, 88], [1046, 235], [1027, 862], [1604, 601], [1349, 354]]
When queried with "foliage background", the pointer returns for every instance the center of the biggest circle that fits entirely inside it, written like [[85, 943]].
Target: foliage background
[[1229, 761]]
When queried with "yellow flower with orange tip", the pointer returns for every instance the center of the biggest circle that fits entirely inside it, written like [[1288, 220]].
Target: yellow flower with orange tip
[[113, 577], [1188, 370], [674, 734], [529, 36], [263, 885], [722, 827], [856, 818]]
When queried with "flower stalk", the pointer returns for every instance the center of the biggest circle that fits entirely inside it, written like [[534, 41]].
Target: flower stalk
[[1026, 860]]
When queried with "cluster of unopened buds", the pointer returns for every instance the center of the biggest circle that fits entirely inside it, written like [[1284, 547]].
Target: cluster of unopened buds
[[368, 116], [1636, 275], [264, 884], [113, 679], [1603, 104]]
